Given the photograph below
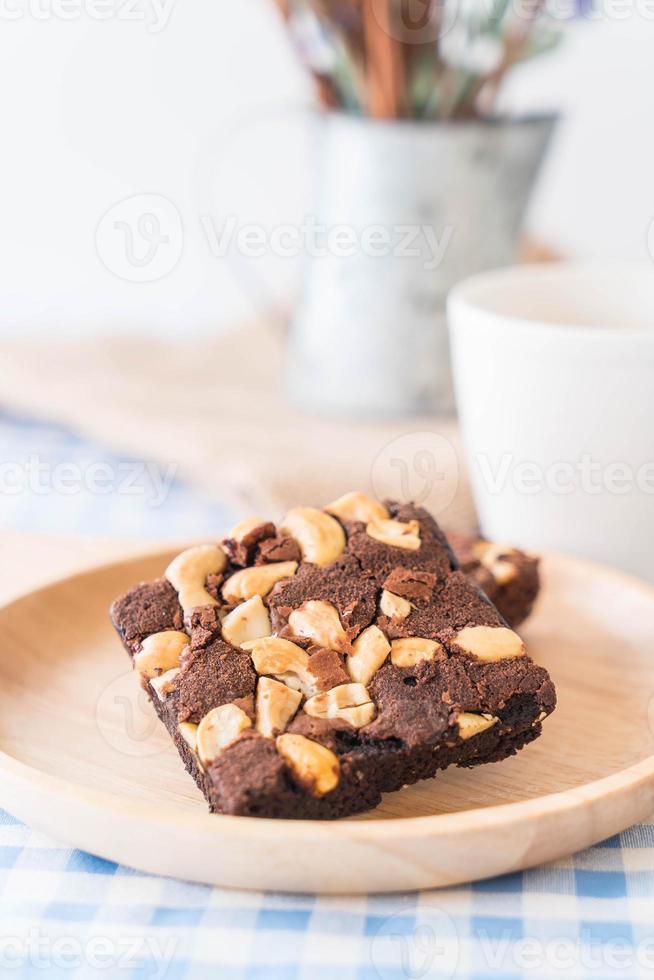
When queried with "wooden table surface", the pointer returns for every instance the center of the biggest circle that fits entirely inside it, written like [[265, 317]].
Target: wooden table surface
[[30, 560]]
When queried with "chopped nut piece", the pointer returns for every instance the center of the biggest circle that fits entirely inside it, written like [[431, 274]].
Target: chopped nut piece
[[412, 649], [160, 652], [188, 572], [316, 768], [471, 725], [394, 606], [256, 581], [284, 660], [189, 733], [357, 506], [249, 621], [482, 549], [503, 572], [162, 684], [218, 729], [369, 651], [350, 702], [489, 643], [497, 559], [319, 621], [395, 533], [276, 705], [243, 528], [320, 537]]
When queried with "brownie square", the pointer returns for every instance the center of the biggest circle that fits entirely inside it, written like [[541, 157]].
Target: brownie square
[[305, 669]]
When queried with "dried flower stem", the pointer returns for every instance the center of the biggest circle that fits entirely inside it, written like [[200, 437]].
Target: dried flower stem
[[384, 68], [366, 57]]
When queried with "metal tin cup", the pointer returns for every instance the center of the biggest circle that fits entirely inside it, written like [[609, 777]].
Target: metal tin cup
[[403, 211]]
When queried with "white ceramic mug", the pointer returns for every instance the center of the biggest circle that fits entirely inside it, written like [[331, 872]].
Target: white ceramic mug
[[554, 378]]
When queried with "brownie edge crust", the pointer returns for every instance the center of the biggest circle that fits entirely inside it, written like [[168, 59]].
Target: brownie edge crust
[[304, 669]]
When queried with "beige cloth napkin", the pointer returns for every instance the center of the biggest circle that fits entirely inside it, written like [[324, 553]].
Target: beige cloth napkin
[[216, 409]]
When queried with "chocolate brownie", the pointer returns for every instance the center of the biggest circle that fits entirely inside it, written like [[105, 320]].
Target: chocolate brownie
[[508, 576], [303, 670]]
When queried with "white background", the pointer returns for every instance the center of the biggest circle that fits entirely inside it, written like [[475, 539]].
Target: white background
[[210, 112]]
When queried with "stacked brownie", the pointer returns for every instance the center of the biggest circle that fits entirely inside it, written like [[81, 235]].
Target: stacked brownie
[[509, 577], [305, 669]]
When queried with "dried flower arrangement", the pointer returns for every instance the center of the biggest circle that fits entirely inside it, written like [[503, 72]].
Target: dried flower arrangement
[[416, 59]]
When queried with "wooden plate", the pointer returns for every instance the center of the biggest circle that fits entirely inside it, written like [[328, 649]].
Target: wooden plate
[[83, 758]]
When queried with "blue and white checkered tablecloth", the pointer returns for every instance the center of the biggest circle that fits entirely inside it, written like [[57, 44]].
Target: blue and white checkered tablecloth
[[65, 913]]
